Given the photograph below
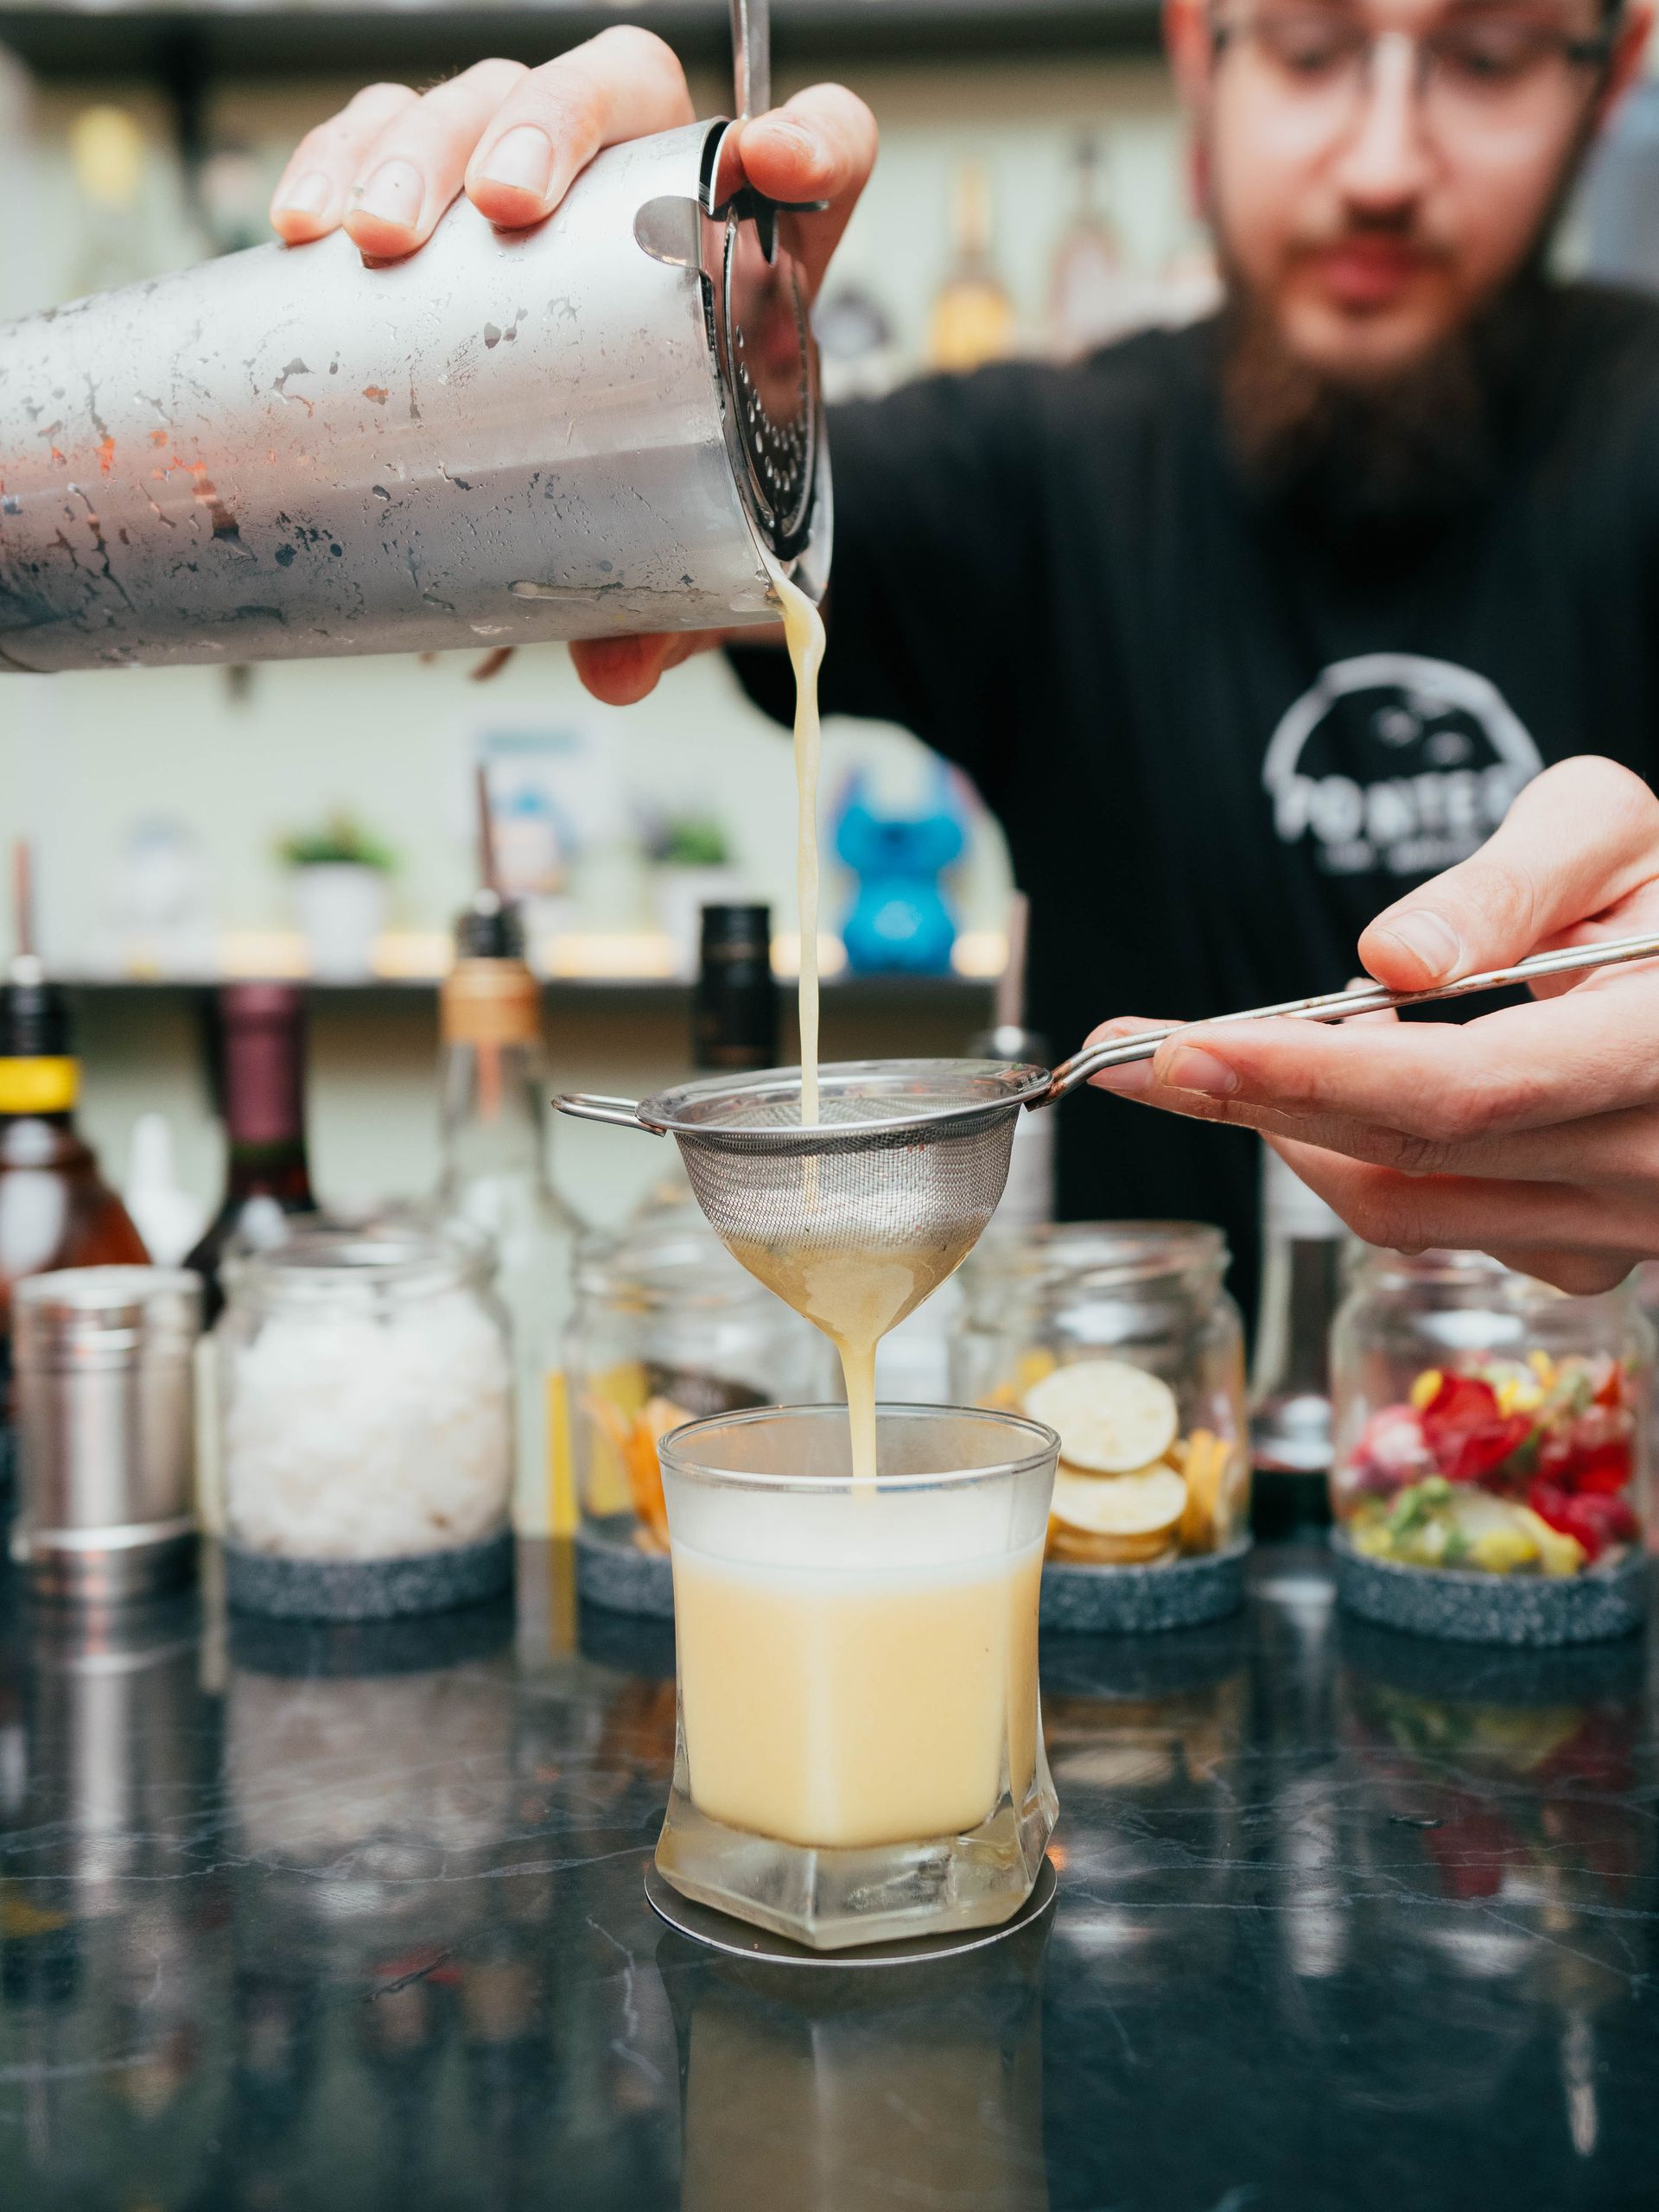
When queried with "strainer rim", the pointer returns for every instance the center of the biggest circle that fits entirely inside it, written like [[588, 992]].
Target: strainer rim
[[663, 1111]]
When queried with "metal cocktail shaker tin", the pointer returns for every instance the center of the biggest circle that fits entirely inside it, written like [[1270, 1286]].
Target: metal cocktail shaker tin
[[602, 425], [104, 1360]]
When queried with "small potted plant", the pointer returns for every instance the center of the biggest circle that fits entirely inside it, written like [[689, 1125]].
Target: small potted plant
[[691, 855], [339, 876]]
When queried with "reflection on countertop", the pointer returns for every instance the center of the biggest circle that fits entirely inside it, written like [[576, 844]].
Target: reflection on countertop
[[301, 1919]]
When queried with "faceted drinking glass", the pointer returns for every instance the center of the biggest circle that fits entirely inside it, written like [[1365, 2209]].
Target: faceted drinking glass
[[859, 1754]]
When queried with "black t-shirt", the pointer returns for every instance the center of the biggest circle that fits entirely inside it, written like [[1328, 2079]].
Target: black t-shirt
[[1219, 737]]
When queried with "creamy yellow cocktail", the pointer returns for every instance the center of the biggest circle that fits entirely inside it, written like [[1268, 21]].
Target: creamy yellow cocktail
[[862, 1706], [859, 1755]]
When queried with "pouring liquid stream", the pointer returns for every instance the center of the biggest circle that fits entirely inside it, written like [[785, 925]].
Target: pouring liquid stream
[[842, 1294], [803, 635], [854, 1296]]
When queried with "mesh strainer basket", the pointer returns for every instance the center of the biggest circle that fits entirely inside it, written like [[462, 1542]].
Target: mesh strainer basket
[[911, 1155], [907, 1155]]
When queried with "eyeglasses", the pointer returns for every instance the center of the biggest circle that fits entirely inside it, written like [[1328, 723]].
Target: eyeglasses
[[1493, 70]]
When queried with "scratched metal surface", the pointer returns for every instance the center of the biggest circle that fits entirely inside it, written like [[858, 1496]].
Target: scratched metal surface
[[353, 1917], [283, 453]]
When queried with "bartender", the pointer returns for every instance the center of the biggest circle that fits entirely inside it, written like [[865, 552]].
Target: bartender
[[1330, 621]]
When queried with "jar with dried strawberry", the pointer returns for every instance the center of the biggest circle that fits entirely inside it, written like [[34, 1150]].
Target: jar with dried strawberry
[[1486, 1422]]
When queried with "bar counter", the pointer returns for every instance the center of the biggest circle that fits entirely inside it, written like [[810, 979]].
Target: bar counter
[[306, 1918]]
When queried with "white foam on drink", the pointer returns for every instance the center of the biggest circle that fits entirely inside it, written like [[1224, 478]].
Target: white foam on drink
[[889, 1534]]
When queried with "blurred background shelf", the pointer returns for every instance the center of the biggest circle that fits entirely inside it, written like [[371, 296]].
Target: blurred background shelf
[[967, 996]]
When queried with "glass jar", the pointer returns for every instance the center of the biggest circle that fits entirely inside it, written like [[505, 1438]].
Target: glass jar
[[1484, 1420], [366, 1400], [667, 1328], [1119, 1335]]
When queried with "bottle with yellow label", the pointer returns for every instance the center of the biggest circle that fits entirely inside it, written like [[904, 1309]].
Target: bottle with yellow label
[[55, 1209]]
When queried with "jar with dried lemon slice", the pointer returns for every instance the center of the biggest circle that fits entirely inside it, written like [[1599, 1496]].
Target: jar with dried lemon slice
[[667, 1328], [1119, 1336]]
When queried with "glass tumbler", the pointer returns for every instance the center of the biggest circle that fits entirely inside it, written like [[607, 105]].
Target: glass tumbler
[[859, 1753]]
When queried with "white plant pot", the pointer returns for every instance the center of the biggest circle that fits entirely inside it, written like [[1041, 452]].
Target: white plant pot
[[342, 910], [682, 894]]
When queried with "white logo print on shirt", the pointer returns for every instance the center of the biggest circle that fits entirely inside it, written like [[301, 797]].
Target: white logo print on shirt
[[1392, 762]]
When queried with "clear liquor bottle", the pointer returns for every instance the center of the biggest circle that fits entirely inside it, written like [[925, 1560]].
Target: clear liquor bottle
[[1086, 301], [973, 316], [495, 1177]]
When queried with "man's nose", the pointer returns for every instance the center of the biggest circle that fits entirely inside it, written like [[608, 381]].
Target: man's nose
[[1385, 158]]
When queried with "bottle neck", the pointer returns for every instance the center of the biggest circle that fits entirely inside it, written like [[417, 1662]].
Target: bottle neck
[[1301, 1289], [493, 1118], [264, 1081], [39, 1074], [264, 1086]]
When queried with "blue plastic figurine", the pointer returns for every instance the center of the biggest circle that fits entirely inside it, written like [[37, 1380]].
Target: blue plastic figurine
[[899, 922]]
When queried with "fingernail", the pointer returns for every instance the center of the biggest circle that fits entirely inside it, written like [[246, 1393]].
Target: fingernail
[[524, 160], [394, 193], [1430, 939], [1132, 1080], [1193, 1069], [306, 195]]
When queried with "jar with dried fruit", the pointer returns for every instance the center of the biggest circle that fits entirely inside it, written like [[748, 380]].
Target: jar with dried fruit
[[1485, 1421], [1120, 1336], [667, 1328]]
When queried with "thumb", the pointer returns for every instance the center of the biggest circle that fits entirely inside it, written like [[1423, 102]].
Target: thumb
[[1576, 840]]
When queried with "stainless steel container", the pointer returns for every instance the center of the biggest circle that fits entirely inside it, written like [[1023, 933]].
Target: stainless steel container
[[104, 1360], [606, 424]]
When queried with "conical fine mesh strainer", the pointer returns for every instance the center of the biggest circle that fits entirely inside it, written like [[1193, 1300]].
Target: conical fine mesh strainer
[[906, 1156], [911, 1155]]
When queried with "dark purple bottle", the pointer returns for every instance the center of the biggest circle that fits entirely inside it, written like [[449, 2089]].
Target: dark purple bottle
[[259, 1068]]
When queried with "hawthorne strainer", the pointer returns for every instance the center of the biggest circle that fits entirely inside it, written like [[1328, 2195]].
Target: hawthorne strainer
[[911, 1155]]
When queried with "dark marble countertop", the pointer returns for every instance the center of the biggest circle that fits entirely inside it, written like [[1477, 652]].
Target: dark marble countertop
[[304, 1918]]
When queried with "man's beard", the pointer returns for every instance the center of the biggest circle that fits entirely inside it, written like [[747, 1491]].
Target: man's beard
[[1406, 448]]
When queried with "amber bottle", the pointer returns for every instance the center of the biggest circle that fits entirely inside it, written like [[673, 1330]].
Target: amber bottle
[[55, 1209]]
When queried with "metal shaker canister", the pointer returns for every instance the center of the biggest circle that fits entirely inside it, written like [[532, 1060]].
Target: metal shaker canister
[[104, 1360], [605, 424]]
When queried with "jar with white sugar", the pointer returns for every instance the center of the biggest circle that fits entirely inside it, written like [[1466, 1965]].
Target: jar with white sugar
[[365, 1396]]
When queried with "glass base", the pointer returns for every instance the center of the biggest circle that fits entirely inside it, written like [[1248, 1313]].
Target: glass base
[[831, 1898]]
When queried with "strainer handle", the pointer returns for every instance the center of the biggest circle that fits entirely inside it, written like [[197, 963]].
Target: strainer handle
[[1338, 1006], [593, 1106], [752, 56]]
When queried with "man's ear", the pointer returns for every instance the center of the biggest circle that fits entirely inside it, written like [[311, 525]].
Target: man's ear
[[1623, 66], [1192, 58], [1187, 43]]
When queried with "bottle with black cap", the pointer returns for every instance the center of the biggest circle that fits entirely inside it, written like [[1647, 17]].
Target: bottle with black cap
[[56, 1211], [734, 1009], [733, 1030], [495, 1176]]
